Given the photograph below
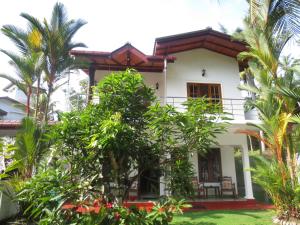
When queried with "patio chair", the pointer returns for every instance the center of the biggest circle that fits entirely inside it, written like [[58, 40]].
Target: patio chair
[[198, 188], [226, 185]]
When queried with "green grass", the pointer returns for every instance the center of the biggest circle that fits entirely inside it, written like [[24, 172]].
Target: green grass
[[225, 217]]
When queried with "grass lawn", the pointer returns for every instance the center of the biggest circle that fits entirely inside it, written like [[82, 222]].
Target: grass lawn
[[225, 217]]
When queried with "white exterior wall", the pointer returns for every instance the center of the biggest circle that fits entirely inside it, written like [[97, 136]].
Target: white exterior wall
[[228, 163], [150, 79], [13, 111], [15, 93], [188, 67], [220, 69]]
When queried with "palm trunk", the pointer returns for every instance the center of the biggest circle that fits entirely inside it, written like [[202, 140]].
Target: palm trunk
[[37, 97], [50, 89], [28, 102]]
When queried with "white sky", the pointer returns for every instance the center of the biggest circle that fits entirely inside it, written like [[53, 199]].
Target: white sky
[[112, 23]]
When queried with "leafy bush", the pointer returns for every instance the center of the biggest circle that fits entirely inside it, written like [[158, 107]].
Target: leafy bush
[[42, 196], [285, 196]]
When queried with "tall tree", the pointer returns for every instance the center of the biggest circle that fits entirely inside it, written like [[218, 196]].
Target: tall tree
[[56, 43], [27, 69], [27, 62], [268, 28]]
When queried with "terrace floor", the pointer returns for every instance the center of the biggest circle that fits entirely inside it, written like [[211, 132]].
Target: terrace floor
[[211, 204]]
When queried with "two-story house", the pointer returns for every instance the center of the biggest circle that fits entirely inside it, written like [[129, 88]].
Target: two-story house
[[194, 64]]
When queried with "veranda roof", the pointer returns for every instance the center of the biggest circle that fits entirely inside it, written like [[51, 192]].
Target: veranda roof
[[124, 57]]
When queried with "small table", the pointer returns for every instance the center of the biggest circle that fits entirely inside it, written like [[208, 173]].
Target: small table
[[216, 189]]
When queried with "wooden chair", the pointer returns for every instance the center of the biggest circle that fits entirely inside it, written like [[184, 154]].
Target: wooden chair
[[198, 188], [226, 185]]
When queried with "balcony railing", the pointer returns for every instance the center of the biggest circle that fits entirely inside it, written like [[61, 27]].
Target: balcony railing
[[233, 107]]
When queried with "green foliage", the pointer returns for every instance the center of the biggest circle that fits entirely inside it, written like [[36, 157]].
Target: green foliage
[[31, 145], [274, 82], [42, 197], [285, 196], [111, 133], [51, 197], [126, 133], [179, 134]]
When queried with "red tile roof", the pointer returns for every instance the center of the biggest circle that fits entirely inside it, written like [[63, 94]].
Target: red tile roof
[[15, 124]]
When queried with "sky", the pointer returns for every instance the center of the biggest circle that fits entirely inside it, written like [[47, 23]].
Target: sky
[[112, 23]]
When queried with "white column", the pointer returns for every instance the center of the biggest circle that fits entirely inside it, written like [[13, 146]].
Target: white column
[[162, 186], [247, 173], [163, 182], [165, 82]]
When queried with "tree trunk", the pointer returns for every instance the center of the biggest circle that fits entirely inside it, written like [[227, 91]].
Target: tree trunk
[[50, 89], [37, 97], [28, 102]]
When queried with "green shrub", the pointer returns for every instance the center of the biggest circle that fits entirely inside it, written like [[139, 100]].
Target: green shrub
[[285, 197]]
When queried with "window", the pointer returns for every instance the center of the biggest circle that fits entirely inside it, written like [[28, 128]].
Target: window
[[209, 166], [211, 91]]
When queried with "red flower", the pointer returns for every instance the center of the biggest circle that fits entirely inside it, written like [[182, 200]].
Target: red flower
[[109, 205], [85, 209], [96, 203], [117, 216], [68, 206]]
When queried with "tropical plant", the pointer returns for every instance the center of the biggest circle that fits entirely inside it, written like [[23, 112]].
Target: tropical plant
[[275, 84], [268, 174], [56, 43], [29, 148], [28, 70], [42, 197], [27, 64]]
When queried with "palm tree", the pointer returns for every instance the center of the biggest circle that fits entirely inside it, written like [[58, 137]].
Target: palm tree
[[27, 69], [268, 28], [279, 18], [56, 38], [28, 63]]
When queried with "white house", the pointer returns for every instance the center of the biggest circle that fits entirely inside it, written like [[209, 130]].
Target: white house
[[13, 92], [194, 64]]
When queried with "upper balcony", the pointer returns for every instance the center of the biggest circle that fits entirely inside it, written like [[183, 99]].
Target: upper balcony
[[234, 108]]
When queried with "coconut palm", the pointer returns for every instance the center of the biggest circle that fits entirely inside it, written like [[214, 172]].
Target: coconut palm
[[268, 28], [278, 17], [56, 38], [28, 63], [28, 69]]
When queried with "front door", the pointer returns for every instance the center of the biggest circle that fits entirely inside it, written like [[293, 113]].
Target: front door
[[149, 184], [209, 165]]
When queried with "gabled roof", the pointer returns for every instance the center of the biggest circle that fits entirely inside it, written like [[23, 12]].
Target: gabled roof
[[10, 124], [208, 39], [127, 56], [15, 124]]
